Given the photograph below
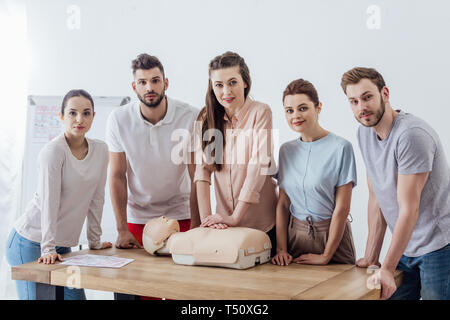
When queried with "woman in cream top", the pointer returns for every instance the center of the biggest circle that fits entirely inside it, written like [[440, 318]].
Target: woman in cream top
[[71, 185], [237, 141]]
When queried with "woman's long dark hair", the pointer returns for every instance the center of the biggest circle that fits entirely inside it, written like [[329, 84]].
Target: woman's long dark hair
[[212, 114]]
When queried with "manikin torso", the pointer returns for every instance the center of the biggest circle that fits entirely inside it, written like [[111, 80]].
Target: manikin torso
[[234, 247]]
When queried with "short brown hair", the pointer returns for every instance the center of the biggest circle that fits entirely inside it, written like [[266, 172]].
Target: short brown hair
[[355, 75], [301, 86], [146, 62]]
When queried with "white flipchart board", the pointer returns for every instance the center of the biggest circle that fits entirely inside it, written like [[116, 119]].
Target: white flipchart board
[[43, 124]]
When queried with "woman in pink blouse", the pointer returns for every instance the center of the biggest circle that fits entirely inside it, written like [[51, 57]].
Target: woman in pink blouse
[[236, 135]]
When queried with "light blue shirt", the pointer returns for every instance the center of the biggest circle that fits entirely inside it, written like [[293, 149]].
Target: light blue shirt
[[310, 172]]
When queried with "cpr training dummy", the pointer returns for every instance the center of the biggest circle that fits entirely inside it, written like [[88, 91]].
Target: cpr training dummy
[[234, 247]]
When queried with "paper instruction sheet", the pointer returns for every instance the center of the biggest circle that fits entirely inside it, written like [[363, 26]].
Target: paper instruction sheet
[[92, 260]]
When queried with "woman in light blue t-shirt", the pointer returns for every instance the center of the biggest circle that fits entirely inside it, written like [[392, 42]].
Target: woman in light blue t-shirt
[[316, 176]]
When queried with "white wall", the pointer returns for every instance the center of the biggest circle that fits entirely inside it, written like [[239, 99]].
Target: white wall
[[280, 40], [13, 80]]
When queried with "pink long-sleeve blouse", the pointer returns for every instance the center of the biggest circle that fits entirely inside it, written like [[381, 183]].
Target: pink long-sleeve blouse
[[248, 166]]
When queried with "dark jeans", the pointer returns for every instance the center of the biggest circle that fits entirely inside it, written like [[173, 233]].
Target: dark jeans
[[426, 277]]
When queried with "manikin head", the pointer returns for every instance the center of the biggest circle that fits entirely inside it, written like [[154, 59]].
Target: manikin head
[[157, 231]]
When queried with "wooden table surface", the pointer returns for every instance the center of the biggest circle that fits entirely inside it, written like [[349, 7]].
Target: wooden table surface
[[161, 277]]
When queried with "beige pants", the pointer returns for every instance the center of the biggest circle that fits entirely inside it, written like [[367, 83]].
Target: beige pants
[[311, 237]]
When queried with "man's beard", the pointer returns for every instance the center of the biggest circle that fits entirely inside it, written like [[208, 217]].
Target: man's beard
[[378, 115], [156, 102]]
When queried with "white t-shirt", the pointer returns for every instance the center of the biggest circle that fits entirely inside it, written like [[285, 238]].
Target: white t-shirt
[[68, 191], [158, 182]]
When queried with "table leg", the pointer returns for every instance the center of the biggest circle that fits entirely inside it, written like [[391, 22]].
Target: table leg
[[48, 292], [123, 296]]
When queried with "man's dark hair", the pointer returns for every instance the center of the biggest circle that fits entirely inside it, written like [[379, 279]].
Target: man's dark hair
[[146, 62]]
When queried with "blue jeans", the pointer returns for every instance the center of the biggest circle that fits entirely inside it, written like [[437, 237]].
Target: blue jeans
[[426, 277], [19, 251]]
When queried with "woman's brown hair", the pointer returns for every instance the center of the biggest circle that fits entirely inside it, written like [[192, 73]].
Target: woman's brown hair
[[301, 86]]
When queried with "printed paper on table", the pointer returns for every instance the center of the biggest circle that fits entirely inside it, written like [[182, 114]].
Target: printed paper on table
[[92, 260]]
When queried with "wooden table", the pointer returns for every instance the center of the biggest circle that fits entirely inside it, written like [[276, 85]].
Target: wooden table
[[161, 277]]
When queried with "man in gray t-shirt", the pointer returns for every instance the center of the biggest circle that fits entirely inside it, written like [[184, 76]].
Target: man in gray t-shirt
[[409, 191]]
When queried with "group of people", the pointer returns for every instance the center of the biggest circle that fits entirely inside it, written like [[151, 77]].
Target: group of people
[[303, 205]]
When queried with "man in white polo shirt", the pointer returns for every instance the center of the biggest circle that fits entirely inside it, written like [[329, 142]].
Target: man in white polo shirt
[[145, 182]]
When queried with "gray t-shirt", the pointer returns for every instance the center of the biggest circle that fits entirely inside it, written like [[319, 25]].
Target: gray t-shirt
[[411, 147]]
